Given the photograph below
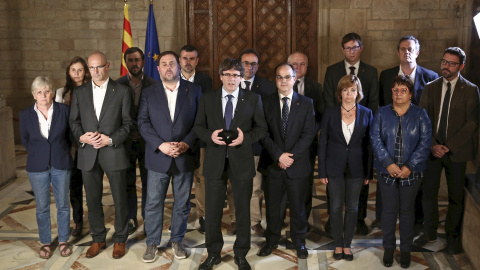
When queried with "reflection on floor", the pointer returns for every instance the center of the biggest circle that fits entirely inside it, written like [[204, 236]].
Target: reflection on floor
[[19, 243]]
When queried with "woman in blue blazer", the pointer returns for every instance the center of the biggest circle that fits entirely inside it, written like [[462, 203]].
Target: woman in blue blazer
[[345, 160], [44, 133]]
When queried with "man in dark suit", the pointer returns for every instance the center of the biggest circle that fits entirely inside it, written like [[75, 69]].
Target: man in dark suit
[[188, 63], [408, 49], [136, 81], [285, 159], [101, 120], [165, 120], [229, 109], [313, 90], [352, 47], [452, 103]]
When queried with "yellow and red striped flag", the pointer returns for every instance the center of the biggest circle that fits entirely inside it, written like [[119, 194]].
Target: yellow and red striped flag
[[127, 39]]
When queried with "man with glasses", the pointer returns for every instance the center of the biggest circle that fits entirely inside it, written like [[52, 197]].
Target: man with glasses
[[352, 47], [229, 121], [188, 63], [312, 89], [408, 49], [101, 118], [136, 81], [291, 129], [165, 120], [452, 104]]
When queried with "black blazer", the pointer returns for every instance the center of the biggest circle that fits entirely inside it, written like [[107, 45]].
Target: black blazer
[[368, 78], [422, 77], [333, 151], [156, 126], [313, 90], [54, 151], [116, 120], [262, 86], [248, 117], [300, 134], [204, 81]]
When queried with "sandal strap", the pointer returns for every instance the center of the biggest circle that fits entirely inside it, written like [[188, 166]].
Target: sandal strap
[[67, 248]]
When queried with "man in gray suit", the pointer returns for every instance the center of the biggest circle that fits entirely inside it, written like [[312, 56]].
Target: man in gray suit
[[101, 120]]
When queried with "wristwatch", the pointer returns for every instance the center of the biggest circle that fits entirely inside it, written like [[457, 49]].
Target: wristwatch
[[110, 142]]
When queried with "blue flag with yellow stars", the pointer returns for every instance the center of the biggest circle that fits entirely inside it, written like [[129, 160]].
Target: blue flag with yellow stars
[[152, 50]]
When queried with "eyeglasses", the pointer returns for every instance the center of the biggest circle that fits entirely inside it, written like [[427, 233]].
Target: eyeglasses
[[352, 49], [449, 63], [298, 64], [401, 91], [97, 68], [235, 76], [252, 64], [46, 92], [280, 78]]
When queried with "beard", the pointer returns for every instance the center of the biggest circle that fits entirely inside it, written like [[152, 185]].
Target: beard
[[135, 71]]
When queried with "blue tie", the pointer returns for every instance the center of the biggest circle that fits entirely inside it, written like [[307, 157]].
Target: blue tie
[[228, 111], [247, 85], [284, 116]]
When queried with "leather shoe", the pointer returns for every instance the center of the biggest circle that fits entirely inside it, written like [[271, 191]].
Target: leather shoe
[[405, 259], [348, 257], [201, 220], [77, 230], [95, 249], [210, 262], [132, 225], [242, 263], [337, 256], [302, 252], [118, 250], [453, 245], [388, 257], [232, 229], [266, 250]]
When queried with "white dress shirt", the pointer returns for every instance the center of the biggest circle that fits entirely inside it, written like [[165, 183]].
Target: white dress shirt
[[412, 75], [347, 67], [191, 79], [225, 100], [301, 86], [348, 130], [172, 99], [444, 91], [99, 96], [242, 83], [290, 96], [44, 123]]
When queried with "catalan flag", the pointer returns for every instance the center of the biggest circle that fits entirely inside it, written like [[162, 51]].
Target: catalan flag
[[127, 39], [152, 50]]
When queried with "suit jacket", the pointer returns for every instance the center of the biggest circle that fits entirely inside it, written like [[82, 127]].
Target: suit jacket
[[313, 90], [248, 117], [53, 151], [157, 127], [333, 151], [116, 120], [204, 81], [422, 77], [299, 137], [368, 78], [462, 129]]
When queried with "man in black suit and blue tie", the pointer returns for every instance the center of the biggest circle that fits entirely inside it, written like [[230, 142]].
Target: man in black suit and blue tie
[[240, 113], [285, 159]]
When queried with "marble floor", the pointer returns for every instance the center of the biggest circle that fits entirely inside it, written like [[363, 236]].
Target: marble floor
[[19, 242]]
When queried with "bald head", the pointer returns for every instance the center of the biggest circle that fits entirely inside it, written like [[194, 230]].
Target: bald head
[[98, 66], [300, 61]]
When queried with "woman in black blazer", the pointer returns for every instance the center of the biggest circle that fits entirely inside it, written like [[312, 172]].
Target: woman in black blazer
[[44, 133], [345, 160]]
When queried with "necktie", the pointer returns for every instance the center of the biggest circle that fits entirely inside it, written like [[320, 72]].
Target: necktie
[[284, 116], [228, 111], [295, 86], [247, 85], [352, 70], [442, 127]]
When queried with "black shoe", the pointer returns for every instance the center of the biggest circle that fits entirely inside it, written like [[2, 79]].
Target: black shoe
[[132, 225], [77, 230], [418, 229], [424, 239], [362, 228], [388, 257], [328, 228], [405, 259], [453, 245], [242, 263], [210, 262], [377, 224], [266, 250], [337, 256], [302, 252], [201, 220], [348, 257]]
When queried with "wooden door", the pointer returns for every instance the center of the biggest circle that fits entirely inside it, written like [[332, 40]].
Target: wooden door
[[224, 28]]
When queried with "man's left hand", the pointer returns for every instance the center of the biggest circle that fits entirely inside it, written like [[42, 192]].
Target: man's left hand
[[239, 139], [104, 141]]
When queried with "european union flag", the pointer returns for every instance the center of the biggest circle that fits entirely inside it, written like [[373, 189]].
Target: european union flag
[[152, 50]]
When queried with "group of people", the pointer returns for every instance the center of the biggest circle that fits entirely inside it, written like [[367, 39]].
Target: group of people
[[250, 139]]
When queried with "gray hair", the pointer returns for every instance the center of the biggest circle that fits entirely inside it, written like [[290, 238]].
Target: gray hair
[[41, 82]]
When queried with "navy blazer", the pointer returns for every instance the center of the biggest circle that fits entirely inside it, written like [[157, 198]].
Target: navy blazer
[[300, 133], [157, 127], [422, 77], [333, 151], [45, 153], [204, 81]]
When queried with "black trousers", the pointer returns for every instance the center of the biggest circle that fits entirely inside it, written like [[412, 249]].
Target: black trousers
[[362, 202], [455, 175], [76, 192], [93, 181], [296, 190], [136, 151], [215, 194]]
